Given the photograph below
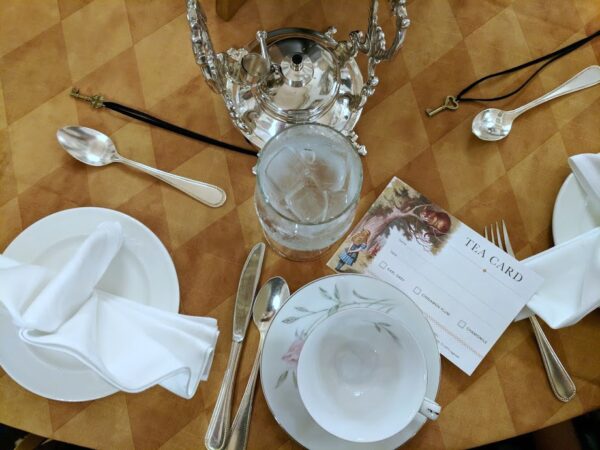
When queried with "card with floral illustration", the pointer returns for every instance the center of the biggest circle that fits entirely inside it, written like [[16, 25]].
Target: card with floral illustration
[[467, 288]]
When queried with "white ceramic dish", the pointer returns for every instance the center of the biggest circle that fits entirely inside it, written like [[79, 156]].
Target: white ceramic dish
[[571, 216], [142, 271], [294, 322]]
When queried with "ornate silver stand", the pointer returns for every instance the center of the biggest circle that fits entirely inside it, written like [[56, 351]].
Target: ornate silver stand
[[294, 75]]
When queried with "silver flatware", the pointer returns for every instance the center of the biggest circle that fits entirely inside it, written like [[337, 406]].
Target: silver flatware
[[561, 383], [494, 124], [218, 428], [96, 149], [269, 300]]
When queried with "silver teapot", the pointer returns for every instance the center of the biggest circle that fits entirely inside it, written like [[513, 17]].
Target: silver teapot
[[291, 76]]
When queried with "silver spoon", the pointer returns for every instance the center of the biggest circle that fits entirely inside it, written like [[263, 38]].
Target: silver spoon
[[269, 300], [494, 124], [96, 149]]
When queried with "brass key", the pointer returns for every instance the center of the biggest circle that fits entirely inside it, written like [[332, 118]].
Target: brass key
[[451, 103], [97, 101]]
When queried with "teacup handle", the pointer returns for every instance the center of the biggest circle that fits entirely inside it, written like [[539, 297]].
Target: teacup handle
[[430, 409]]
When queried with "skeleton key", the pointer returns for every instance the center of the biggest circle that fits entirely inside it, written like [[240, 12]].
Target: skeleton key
[[450, 103]]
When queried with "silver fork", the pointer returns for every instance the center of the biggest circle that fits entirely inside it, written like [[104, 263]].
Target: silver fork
[[561, 383]]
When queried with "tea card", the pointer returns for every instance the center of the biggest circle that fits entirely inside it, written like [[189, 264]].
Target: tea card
[[468, 289]]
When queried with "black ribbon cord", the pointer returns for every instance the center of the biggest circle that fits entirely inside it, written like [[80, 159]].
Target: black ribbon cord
[[97, 102], [452, 101]]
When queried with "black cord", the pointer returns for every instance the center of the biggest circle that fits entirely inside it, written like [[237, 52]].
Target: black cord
[[145, 117], [551, 57]]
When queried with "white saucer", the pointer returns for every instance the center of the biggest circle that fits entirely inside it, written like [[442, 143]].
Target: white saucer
[[571, 216], [141, 271], [295, 320]]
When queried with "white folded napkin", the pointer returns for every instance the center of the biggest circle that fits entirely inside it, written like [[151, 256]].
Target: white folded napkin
[[132, 346], [586, 168], [571, 273]]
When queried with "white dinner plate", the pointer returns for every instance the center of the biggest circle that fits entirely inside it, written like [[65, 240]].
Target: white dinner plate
[[294, 321], [142, 271], [571, 216]]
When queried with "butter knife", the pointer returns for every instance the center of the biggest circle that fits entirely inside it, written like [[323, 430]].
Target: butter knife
[[218, 428]]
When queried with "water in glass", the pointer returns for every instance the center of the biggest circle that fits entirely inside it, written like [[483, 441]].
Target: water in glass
[[309, 180]]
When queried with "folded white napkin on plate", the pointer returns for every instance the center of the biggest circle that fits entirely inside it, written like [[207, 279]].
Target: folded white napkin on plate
[[131, 345], [586, 168], [571, 273]]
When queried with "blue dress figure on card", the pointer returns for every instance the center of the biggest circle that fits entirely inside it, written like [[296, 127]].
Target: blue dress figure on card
[[350, 254]]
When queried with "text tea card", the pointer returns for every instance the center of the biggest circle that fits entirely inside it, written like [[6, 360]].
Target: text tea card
[[468, 289]]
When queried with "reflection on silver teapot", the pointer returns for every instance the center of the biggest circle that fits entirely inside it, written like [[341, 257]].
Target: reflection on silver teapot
[[295, 75]]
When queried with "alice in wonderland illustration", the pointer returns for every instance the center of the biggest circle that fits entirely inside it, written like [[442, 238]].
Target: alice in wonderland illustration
[[350, 254], [398, 207]]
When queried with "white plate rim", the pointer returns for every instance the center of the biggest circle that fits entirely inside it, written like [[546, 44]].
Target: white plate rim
[[435, 383], [168, 273]]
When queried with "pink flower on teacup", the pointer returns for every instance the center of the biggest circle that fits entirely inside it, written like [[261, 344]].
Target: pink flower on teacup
[[293, 354]]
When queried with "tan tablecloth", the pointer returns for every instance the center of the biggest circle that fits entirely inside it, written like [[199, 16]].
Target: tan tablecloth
[[138, 53]]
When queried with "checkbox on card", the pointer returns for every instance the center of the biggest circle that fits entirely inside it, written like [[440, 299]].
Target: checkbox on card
[[461, 323], [383, 264], [417, 290]]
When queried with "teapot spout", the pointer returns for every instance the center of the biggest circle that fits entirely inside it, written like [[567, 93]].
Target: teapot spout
[[237, 65], [249, 69]]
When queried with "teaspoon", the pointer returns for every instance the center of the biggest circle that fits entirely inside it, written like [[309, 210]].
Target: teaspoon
[[96, 149], [269, 300], [494, 124]]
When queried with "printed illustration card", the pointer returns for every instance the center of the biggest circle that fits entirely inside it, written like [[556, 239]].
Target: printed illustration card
[[468, 289]]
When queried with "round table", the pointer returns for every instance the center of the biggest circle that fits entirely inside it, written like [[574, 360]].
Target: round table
[[138, 53]]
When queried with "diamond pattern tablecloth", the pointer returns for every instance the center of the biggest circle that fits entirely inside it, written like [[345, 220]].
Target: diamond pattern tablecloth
[[137, 52]]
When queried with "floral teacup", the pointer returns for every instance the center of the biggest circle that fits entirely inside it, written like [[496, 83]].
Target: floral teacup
[[362, 375]]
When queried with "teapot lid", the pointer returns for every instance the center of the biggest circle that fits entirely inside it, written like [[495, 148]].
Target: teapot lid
[[308, 81]]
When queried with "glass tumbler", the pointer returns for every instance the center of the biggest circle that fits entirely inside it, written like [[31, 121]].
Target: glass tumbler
[[309, 179]]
